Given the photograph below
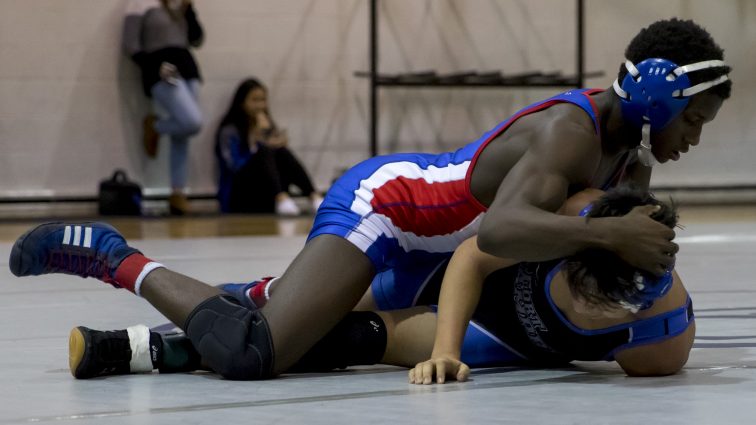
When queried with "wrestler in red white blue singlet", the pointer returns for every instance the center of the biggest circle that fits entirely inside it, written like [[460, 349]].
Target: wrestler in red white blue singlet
[[415, 208]]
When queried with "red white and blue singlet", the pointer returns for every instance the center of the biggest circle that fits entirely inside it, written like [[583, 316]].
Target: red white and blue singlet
[[411, 207]]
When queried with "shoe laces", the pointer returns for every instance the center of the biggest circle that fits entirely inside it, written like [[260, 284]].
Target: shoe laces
[[111, 353], [112, 348], [81, 264]]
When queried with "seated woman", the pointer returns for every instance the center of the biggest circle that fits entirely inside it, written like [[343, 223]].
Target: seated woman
[[491, 312], [256, 166]]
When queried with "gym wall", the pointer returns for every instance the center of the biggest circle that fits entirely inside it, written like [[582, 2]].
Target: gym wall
[[71, 103]]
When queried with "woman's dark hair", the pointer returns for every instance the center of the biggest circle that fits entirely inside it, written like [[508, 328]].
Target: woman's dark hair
[[237, 116], [600, 277], [682, 42]]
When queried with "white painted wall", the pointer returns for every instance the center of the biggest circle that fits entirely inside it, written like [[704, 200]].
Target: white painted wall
[[71, 104]]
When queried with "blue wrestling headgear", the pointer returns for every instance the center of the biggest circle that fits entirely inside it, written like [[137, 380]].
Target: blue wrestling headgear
[[649, 288], [656, 91]]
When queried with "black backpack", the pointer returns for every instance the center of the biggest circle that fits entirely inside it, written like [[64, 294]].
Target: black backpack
[[119, 196]]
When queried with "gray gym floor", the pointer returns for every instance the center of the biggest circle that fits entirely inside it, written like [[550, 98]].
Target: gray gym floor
[[718, 385]]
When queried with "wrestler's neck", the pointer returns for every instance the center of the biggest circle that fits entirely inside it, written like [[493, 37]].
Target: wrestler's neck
[[615, 134]]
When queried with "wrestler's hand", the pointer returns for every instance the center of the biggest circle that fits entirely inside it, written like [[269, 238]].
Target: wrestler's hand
[[440, 367], [643, 242]]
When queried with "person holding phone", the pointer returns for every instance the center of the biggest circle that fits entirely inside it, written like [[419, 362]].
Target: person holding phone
[[256, 166]]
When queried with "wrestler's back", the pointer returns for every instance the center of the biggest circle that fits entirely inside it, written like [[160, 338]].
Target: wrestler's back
[[529, 132]]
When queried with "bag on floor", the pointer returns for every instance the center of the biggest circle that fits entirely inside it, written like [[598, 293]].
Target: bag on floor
[[120, 196]]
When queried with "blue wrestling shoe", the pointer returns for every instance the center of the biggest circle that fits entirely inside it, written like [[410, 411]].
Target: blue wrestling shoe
[[81, 249], [239, 291], [253, 299]]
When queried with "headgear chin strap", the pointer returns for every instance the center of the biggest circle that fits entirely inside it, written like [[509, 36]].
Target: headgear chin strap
[[656, 91]]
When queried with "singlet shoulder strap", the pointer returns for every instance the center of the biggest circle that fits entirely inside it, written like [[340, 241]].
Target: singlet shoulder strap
[[657, 328], [665, 325], [646, 331], [582, 98]]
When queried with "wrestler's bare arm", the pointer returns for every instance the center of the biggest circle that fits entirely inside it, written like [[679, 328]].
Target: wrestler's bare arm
[[521, 222]]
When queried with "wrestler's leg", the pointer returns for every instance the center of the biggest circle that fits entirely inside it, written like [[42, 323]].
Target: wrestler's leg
[[321, 286], [174, 294], [311, 297], [411, 333], [323, 283]]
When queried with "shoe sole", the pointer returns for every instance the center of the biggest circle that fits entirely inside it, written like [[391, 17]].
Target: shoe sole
[[77, 350]]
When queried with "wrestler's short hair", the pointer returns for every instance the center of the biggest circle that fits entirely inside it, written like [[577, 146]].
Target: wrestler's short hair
[[682, 42], [599, 276]]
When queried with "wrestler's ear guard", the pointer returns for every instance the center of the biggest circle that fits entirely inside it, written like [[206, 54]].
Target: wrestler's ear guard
[[655, 91], [651, 289]]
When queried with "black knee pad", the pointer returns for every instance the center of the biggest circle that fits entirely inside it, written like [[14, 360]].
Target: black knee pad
[[234, 341]]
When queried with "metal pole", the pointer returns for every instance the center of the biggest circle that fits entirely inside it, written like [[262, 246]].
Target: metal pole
[[579, 46], [373, 77]]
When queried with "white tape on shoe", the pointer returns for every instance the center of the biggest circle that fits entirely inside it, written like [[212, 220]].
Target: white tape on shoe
[[139, 340]]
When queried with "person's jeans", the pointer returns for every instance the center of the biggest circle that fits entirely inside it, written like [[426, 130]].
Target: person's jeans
[[180, 101]]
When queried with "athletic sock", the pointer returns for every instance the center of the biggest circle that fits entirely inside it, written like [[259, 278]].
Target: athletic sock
[[132, 271], [260, 293]]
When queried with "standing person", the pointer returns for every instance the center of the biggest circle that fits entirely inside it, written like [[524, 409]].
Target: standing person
[[157, 35], [395, 210], [256, 166]]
